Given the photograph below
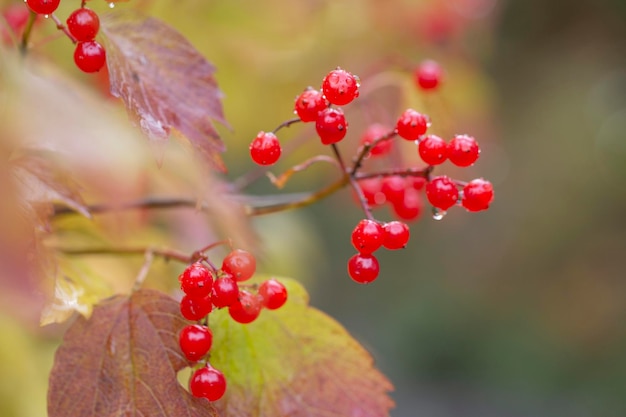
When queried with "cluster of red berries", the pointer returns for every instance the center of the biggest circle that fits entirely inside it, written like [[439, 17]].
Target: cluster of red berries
[[401, 188], [205, 289], [83, 25]]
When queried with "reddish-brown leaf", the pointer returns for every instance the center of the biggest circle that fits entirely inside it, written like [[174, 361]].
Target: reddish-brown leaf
[[123, 362], [164, 81]]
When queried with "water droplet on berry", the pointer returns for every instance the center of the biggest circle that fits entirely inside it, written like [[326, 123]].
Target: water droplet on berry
[[438, 214], [46, 16], [111, 5]]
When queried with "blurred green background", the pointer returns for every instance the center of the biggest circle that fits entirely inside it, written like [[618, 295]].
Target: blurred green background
[[517, 311]]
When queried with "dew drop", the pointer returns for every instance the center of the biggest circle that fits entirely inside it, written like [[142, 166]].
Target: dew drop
[[111, 5], [46, 16], [438, 214]]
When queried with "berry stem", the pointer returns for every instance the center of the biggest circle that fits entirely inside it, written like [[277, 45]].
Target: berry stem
[[27, 31], [282, 179], [365, 150], [62, 27], [286, 123], [355, 186], [409, 172]]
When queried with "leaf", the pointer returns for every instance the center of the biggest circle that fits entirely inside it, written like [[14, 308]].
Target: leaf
[[164, 81], [297, 362], [123, 362]]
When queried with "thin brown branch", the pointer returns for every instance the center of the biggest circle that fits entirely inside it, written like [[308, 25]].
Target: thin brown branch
[[167, 254]]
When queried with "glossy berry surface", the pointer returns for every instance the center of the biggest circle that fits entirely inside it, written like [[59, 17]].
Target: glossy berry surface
[[371, 189], [340, 87], [396, 235], [410, 207], [463, 150], [207, 382], [442, 192], [273, 294], [367, 236], [331, 125], [309, 104], [373, 132], [428, 75], [412, 124], [43, 6], [195, 309], [265, 148], [246, 309], [363, 268], [225, 291], [477, 195], [195, 341], [196, 280], [89, 56], [83, 24], [433, 150], [240, 264]]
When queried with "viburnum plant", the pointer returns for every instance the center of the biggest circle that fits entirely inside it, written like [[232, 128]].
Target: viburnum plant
[[250, 342]]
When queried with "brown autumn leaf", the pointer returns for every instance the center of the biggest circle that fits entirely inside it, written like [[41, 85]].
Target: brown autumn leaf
[[164, 82], [295, 361], [123, 362]]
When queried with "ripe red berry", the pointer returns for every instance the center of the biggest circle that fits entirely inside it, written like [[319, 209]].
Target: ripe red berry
[[463, 150], [273, 294], [43, 6], [396, 235], [433, 150], [265, 148], [442, 192], [246, 309], [393, 187], [367, 236], [83, 24], [89, 56], [225, 291], [363, 268], [340, 87], [371, 188], [207, 382], [428, 75], [477, 195], [196, 280], [16, 16], [416, 183], [410, 207], [240, 264], [331, 125], [195, 309], [309, 104], [195, 341], [411, 124], [373, 132]]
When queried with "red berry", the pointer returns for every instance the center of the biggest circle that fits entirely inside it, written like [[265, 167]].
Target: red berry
[[396, 235], [195, 309], [331, 125], [411, 124], [89, 56], [373, 132], [225, 291], [463, 150], [363, 268], [83, 24], [428, 75], [340, 87], [477, 195], [246, 309], [410, 207], [393, 187], [442, 192], [16, 16], [195, 341], [207, 382], [43, 6], [433, 150], [240, 264], [367, 236], [273, 294], [371, 188], [416, 183], [265, 148], [196, 280], [309, 104]]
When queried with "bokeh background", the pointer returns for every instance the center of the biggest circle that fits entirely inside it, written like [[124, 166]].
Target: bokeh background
[[517, 311]]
